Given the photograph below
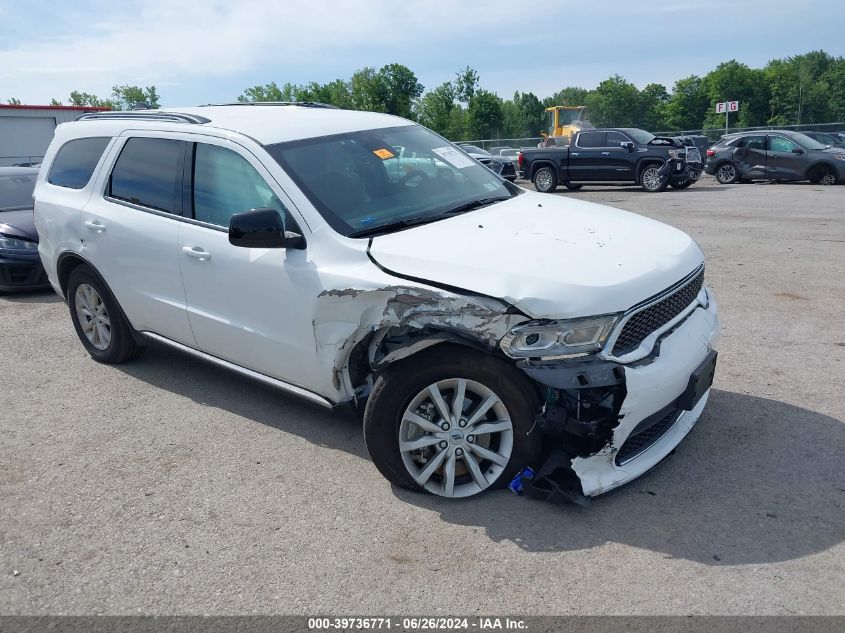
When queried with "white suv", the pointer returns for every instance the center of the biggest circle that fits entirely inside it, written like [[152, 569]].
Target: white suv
[[359, 258]]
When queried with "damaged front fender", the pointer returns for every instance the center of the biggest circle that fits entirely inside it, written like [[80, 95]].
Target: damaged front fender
[[361, 325]]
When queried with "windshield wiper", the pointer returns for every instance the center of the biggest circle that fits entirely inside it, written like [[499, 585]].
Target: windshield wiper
[[408, 222]]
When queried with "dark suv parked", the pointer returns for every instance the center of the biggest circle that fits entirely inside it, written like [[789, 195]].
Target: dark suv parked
[[776, 155]]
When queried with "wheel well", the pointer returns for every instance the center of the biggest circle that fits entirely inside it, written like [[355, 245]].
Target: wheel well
[[67, 264], [538, 165], [648, 162], [813, 169], [394, 344]]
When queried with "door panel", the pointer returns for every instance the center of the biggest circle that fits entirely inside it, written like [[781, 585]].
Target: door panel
[[135, 249], [782, 163], [750, 157], [585, 158], [249, 306]]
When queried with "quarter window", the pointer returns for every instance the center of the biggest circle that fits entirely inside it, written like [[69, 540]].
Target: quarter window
[[780, 144], [76, 161], [591, 139], [225, 184], [149, 172]]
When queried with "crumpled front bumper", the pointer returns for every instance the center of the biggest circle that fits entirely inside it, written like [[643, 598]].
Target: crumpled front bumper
[[652, 385]]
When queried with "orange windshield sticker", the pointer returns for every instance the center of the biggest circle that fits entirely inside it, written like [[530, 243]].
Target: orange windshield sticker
[[382, 153]]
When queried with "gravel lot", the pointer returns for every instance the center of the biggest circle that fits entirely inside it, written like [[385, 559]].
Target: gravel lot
[[170, 486]]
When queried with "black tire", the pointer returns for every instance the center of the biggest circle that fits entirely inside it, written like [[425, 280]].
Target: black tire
[[121, 343], [572, 186], [395, 389], [651, 181], [681, 185], [545, 179], [726, 173], [824, 175]]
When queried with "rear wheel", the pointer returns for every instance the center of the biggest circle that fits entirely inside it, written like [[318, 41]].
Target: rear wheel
[[97, 318], [726, 173], [451, 421], [545, 180], [651, 180]]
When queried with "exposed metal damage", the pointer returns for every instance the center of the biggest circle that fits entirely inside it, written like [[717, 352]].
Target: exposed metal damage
[[358, 331]]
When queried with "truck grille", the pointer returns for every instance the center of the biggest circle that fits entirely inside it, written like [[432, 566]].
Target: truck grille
[[646, 434], [655, 316]]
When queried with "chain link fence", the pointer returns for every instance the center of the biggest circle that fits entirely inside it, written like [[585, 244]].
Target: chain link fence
[[714, 134]]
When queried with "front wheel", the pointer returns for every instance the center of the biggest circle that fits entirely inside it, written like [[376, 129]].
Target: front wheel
[[545, 180], [652, 181], [824, 176], [726, 174], [451, 421]]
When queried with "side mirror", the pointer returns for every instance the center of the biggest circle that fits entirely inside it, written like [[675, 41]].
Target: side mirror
[[262, 228], [797, 150], [628, 145]]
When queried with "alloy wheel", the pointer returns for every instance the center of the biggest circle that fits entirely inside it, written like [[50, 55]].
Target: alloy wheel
[[456, 437], [93, 316], [543, 180], [828, 179], [651, 178], [726, 173]]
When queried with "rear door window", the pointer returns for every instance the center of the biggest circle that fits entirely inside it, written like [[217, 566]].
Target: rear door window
[[76, 161], [149, 172], [753, 142], [591, 139]]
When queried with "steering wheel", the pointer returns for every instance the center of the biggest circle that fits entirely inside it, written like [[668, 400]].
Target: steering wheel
[[414, 174]]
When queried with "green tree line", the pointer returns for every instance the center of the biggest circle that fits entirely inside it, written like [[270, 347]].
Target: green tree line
[[803, 89]]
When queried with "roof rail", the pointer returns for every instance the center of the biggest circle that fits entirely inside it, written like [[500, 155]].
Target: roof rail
[[304, 104], [137, 115]]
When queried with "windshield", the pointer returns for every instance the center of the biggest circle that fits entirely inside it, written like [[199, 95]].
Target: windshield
[[16, 191], [360, 181], [640, 136], [472, 149], [806, 142], [827, 139]]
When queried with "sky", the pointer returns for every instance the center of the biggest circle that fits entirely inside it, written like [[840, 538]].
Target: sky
[[209, 51]]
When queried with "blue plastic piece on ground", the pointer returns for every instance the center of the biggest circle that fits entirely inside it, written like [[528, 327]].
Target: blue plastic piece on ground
[[515, 485]]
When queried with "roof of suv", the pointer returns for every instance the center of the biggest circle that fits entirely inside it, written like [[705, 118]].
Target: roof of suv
[[265, 122]]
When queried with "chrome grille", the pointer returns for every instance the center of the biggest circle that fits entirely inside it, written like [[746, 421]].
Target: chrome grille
[[655, 316]]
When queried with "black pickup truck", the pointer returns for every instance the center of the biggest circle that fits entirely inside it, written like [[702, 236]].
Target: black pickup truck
[[619, 155]]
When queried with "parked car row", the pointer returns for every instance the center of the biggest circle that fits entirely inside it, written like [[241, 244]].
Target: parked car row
[[627, 156]]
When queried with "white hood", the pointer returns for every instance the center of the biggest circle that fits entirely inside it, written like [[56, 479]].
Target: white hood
[[552, 257]]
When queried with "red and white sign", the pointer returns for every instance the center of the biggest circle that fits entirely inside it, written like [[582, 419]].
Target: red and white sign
[[727, 106]]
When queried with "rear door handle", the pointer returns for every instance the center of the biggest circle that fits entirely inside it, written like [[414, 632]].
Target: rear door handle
[[196, 252], [95, 226]]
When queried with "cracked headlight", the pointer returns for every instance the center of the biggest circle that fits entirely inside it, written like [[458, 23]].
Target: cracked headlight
[[574, 337], [14, 244]]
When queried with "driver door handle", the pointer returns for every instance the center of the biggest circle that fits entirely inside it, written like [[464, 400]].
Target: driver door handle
[[605, 153], [196, 252], [95, 226]]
